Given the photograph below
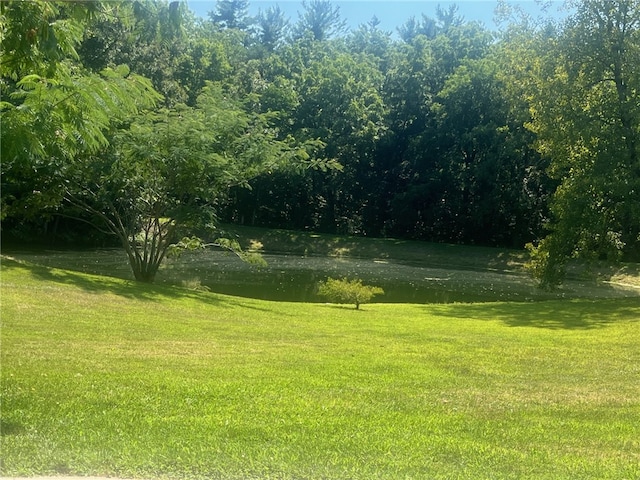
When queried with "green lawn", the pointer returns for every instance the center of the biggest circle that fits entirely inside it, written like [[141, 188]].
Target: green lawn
[[102, 376]]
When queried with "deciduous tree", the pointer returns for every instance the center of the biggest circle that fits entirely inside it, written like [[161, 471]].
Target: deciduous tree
[[586, 114], [166, 174], [53, 109]]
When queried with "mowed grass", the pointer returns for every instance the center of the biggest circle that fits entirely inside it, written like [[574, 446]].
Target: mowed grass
[[105, 377]]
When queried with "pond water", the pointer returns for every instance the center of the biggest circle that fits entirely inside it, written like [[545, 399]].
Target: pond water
[[295, 278]]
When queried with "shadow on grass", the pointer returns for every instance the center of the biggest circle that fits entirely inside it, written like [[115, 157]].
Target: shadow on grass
[[344, 306], [8, 428], [553, 314], [99, 284]]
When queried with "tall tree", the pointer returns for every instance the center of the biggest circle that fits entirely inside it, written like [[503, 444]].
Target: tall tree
[[232, 14], [417, 71], [369, 38], [53, 109], [334, 96], [150, 37], [320, 19], [272, 26], [448, 18], [342, 105], [586, 114], [486, 172], [166, 174], [410, 29]]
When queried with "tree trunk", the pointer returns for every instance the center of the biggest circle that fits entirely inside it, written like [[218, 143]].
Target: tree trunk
[[145, 259], [143, 270]]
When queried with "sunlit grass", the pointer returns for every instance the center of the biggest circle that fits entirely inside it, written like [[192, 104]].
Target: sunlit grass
[[104, 376]]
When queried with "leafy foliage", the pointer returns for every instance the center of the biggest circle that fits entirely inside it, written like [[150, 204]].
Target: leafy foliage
[[194, 243], [348, 291], [450, 133], [272, 26], [146, 192], [53, 109], [585, 113], [231, 14]]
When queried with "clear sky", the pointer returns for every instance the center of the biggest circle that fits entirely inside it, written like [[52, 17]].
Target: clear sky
[[391, 13]]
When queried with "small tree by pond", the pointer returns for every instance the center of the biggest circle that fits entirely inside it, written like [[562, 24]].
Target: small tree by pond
[[348, 291]]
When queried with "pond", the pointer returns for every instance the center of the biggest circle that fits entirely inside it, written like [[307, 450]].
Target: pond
[[294, 278]]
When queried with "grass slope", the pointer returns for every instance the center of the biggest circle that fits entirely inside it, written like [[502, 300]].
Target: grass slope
[[102, 376]]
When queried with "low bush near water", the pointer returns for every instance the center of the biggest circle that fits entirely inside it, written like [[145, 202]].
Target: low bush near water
[[348, 291]]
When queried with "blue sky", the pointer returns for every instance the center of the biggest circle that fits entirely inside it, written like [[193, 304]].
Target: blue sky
[[390, 13]]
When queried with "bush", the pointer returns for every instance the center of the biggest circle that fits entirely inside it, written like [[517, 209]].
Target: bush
[[348, 291]]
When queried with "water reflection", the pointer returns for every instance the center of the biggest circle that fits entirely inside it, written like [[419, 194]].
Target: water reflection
[[294, 278]]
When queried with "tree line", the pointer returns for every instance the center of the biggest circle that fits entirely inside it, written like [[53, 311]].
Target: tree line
[[146, 123]]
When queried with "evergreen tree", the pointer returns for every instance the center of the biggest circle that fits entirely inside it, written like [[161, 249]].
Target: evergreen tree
[[320, 19], [232, 14]]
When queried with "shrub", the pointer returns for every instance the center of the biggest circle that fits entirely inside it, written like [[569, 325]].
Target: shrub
[[348, 291]]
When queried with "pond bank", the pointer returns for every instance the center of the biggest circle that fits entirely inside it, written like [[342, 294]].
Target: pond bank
[[408, 271], [294, 277]]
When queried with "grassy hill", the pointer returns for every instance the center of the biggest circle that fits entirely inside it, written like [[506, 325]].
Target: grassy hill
[[104, 376]]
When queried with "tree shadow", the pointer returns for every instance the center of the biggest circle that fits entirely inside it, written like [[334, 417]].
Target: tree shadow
[[117, 286], [9, 428], [344, 306], [552, 314]]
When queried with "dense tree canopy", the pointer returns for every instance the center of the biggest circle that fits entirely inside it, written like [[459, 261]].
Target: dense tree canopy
[[54, 108], [145, 190], [586, 116], [149, 123]]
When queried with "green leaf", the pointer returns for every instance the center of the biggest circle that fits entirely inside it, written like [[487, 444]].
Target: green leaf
[[30, 82]]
